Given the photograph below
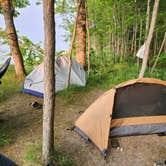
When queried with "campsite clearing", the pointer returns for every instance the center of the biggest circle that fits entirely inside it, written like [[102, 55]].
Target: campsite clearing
[[22, 126]]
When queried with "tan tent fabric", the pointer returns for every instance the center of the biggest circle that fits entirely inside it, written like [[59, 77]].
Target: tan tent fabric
[[95, 122], [138, 121], [141, 80]]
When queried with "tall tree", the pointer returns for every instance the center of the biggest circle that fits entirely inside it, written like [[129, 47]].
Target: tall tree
[[149, 38], [8, 13], [81, 34], [162, 46], [49, 81], [88, 34], [147, 17], [71, 46]]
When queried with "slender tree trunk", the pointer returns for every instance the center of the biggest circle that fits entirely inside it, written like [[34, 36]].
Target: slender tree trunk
[[140, 33], [140, 39], [81, 35], [72, 44], [49, 81], [161, 48], [123, 31], [149, 38], [115, 35], [113, 48], [89, 40], [165, 46], [8, 12], [155, 43], [132, 42], [147, 17], [135, 38]]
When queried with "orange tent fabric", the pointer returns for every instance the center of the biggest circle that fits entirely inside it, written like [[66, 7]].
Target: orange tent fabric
[[96, 122]]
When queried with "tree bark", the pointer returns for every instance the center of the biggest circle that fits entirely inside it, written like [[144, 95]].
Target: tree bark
[[88, 33], [140, 39], [147, 17], [135, 37], [132, 42], [8, 12], [72, 44], [81, 35], [165, 47], [155, 43], [49, 81], [162, 46], [149, 38]]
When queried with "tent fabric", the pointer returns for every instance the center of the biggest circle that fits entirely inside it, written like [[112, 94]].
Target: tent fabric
[[133, 107], [98, 121], [138, 129], [141, 80], [34, 82], [138, 121], [132, 102], [4, 161], [4, 67], [141, 52]]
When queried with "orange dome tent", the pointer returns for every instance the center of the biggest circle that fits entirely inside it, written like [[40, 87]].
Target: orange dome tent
[[131, 108]]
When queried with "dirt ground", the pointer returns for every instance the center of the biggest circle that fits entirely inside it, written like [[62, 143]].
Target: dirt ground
[[24, 125]]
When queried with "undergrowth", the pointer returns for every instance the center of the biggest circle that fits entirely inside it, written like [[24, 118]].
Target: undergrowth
[[103, 76], [4, 139], [33, 156], [106, 75], [10, 85]]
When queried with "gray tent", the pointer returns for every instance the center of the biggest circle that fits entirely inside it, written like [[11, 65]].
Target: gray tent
[[34, 82]]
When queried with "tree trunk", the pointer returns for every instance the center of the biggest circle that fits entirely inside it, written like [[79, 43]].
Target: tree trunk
[[162, 46], [88, 33], [72, 44], [81, 35], [155, 43], [147, 17], [132, 42], [149, 38], [49, 81], [165, 47], [140, 39], [8, 12], [135, 38]]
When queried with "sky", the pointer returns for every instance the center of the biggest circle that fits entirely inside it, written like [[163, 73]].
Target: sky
[[30, 23]]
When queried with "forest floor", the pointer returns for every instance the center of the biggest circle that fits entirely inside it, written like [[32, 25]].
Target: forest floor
[[21, 135]]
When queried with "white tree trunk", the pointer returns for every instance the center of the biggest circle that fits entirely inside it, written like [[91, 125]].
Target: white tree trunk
[[147, 17], [149, 38]]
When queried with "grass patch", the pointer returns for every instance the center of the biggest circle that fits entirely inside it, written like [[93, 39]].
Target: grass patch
[[33, 156], [63, 159], [4, 139], [106, 76], [71, 95], [103, 76], [10, 85]]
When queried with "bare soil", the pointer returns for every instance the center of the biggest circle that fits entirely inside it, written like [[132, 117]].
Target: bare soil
[[23, 123]]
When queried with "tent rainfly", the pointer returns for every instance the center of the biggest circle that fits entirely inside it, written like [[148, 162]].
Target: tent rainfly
[[34, 82], [134, 107], [4, 67]]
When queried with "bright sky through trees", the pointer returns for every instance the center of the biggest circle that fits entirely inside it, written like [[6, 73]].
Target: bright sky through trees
[[30, 23]]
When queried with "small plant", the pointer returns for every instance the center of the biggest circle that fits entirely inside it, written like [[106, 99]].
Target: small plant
[[33, 156], [62, 159], [10, 85], [69, 96], [4, 139]]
